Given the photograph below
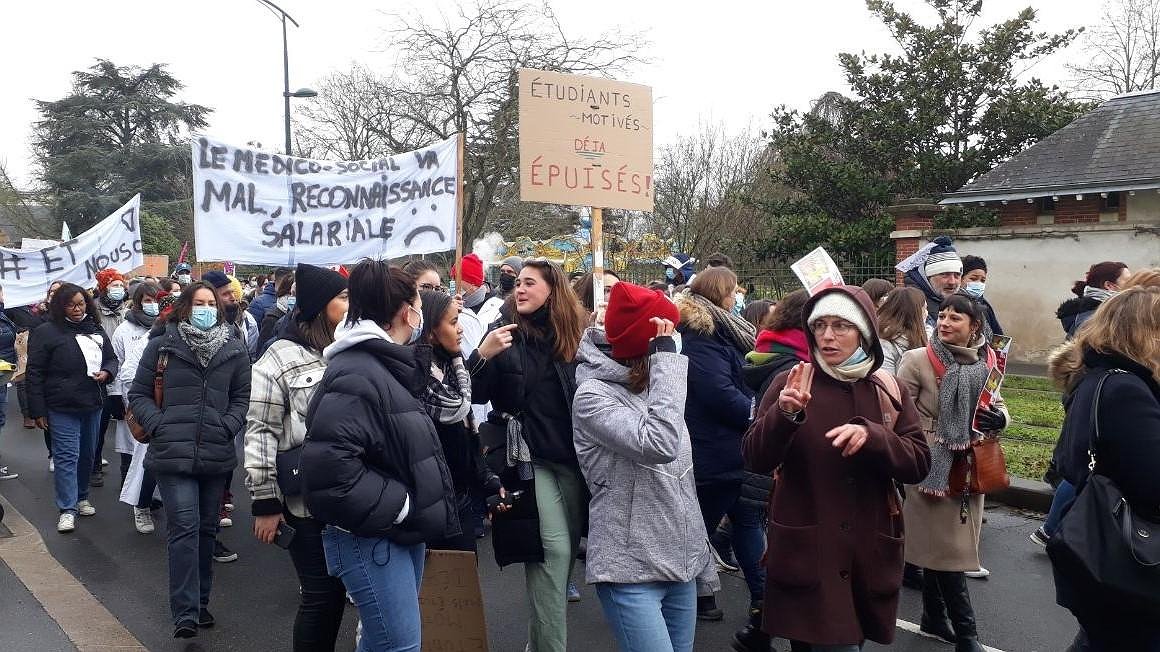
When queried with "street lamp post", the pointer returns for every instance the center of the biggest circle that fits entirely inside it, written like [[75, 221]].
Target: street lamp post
[[286, 94]]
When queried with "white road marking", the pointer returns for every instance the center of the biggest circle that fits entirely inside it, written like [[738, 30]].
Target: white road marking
[[913, 629]]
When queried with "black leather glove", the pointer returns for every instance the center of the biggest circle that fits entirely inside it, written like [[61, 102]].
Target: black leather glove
[[990, 420]]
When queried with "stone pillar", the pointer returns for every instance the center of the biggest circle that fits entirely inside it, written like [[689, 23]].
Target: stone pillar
[[913, 220]]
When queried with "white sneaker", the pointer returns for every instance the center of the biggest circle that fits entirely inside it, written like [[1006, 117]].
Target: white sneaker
[[104, 462], [51, 466], [143, 520], [67, 522], [85, 508], [226, 521], [982, 573]]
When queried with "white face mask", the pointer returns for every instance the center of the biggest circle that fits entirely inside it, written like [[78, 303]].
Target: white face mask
[[975, 288]]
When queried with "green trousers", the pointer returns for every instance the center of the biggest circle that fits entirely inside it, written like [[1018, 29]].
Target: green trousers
[[560, 501]]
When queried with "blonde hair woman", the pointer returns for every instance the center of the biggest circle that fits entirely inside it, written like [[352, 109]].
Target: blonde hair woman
[[1120, 348]]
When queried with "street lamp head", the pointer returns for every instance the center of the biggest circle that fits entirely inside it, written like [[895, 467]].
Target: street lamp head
[[303, 92]]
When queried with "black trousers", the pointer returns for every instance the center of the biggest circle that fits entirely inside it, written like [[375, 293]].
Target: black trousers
[[114, 409], [323, 597]]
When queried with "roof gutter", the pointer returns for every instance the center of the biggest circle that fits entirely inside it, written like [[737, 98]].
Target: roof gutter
[[969, 197]]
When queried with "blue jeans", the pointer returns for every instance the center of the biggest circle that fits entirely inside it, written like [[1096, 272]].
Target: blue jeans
[[721, 498], [383, 579], [192, 504], [651, 617], [74, 442], [1060, 503]]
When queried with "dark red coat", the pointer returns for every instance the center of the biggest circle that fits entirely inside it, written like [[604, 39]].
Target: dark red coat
[[835, 536]]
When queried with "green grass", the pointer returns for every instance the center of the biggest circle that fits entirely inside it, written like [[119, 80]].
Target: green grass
[[1036, 417]]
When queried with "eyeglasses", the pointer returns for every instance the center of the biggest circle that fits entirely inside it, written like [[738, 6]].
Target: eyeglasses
[[840, 328], [431, 287]]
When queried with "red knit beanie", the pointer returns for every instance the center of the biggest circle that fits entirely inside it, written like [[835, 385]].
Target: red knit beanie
[[472, 269], [626, 322], [107, 276]]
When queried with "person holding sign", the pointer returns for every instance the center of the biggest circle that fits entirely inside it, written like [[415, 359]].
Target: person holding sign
[[637, 458], [946, 378], [839, 433], [526, 367], [70, 360], [447, 399], [372, 468]]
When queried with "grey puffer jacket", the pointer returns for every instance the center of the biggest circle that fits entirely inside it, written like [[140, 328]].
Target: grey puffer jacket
[[635, 453]]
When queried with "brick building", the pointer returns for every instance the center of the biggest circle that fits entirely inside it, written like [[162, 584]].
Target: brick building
[[1087, 193]]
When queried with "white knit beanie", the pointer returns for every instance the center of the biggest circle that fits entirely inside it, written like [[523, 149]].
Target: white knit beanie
[[844, 306]]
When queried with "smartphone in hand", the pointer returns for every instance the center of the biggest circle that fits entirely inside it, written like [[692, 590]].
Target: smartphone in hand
[[284, 535]]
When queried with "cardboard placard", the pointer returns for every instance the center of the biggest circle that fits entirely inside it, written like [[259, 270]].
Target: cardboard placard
[[585, 141], [451, 603]]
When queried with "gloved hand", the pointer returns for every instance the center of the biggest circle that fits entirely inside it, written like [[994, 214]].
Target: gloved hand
[[989, 420]]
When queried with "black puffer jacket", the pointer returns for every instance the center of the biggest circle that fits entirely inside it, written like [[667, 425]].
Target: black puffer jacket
[[204, 408], [1074, 312], [527, 382], [58, 377], [370, 446]]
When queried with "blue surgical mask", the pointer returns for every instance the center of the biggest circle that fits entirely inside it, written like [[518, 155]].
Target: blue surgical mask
[[975, 288], [290, 303], [670, 273], [117, 294], [418, 330], [857, 357], [151, 309], [184, 279], [204, 317]]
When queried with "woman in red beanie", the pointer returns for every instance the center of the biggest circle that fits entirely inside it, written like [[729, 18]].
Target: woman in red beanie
[[634, 449]]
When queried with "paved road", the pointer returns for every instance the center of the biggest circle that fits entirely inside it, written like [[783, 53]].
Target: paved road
[[254, 598]]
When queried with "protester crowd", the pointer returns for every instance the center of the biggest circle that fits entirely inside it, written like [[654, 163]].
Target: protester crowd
[[826, 447]]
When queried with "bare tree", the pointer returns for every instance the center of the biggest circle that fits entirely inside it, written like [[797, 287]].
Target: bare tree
[[458, 74], [1124, 50], [18, 209], [703, 186]]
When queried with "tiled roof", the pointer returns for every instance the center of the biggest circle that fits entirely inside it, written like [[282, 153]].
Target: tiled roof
[[1115, 146]]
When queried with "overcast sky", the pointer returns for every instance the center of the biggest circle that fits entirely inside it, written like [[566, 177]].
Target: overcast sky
[[728, 60]]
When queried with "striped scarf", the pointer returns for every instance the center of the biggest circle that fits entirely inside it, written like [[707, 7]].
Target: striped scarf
[[958, 394]]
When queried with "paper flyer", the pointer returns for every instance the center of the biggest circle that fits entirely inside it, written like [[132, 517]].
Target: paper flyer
[[817, 271]]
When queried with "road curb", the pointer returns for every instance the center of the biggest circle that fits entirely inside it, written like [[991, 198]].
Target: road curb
[[83, 619], [1030, 495]]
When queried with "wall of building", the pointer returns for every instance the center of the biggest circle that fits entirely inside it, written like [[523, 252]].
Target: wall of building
[[1144, 206], [1031, 270]]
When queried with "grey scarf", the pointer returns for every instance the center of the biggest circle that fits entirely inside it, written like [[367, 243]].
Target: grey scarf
[[205, 344], [739, 331], [958, 394], [519, 455]]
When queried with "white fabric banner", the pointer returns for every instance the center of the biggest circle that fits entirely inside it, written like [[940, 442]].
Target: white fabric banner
[[113, 242], [259, 207]]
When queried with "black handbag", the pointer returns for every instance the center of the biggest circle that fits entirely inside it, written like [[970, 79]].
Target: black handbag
[[289, 479], [1112, 553]]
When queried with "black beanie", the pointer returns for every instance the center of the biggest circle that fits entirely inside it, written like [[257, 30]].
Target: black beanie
[[314, 287], [216, 278]]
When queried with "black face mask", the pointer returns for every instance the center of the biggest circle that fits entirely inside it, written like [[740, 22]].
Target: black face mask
[[232, 312], [507, 283]]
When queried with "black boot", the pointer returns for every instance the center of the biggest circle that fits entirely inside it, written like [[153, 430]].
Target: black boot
[[751, 638], [962, 615], [707, 608], [912, 577], [934, 609]]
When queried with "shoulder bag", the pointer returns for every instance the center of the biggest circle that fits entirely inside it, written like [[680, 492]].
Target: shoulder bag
[[135, 427], [1111, 552]]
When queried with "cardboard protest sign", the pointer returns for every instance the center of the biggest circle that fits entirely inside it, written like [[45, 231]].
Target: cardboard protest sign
[[252, 206], [817, 271], [585, 141], [113, 242], [451, 604]]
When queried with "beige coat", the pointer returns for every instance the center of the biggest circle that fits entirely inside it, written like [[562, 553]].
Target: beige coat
[[936, 537]]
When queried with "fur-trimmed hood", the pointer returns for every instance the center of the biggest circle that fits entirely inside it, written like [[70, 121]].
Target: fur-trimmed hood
[[694, 316]]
